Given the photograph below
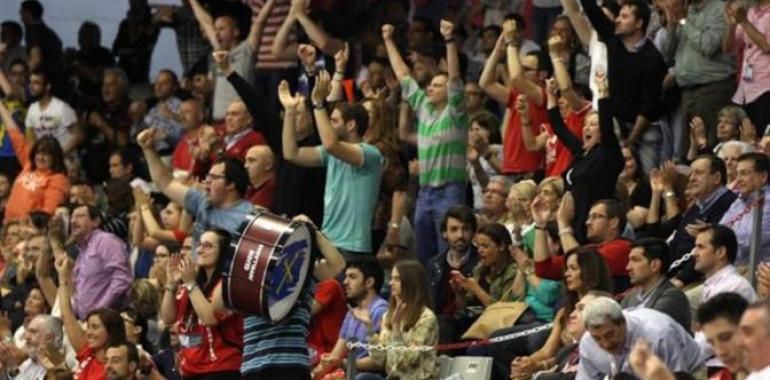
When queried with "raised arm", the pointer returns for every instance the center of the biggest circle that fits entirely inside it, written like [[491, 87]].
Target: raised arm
[[579, 22], [332, 262], [488, 80], [452, 59], [609, 138], [206, 23], [603, 25], [572, 142], [281, 48], [396, 61], [327, 44], [736, 15], [18, 142], [309, 157], [75, 333], [521, 83], [350, 153], [340, 63], [159, 172], [9, 89], [558, 53], [258, 26], [168, 304], [266, 120], [531, 142]]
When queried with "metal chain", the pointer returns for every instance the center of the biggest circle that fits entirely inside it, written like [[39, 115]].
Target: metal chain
[[451, 346], [730, 223]]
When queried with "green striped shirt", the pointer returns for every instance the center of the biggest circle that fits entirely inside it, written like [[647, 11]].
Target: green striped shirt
[[442, 136]]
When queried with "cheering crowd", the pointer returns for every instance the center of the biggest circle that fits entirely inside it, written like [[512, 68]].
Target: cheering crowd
[[591, 177]]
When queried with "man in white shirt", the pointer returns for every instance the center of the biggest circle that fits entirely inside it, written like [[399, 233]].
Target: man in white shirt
[[754, 335], [715, 250], [49, 115], [42, 331]]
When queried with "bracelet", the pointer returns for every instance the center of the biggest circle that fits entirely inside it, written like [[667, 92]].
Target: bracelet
[[565, 231], [541, 228], [319, 106], [449, 40], [394, 225], [190, 287], [669, 194], [338, 76]]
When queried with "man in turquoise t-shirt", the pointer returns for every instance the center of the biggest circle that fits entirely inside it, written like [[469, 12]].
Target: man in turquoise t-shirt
[[353, 168]]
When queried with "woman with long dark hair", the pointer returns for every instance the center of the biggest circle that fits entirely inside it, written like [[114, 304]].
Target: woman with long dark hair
[[408, 322], [42, 184], [211, 340]]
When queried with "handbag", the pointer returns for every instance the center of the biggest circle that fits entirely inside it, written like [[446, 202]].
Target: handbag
[[496, 316]]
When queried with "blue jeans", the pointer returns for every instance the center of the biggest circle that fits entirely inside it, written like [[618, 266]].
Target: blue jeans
[[432, 203]]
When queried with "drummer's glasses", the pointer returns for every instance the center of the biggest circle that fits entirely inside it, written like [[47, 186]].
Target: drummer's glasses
[[211, 177]]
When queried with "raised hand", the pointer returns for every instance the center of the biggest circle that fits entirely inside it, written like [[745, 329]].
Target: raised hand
[[146, 138], [601, 84], [299, 7], [556, 45], [566, 209], [222, 59], [656, 180], [698, 131], [551, 87], [63, 267], [668, 170], [189, 270], [173, 270], [541, 211], [341, 59], [522, 105], [646, 364], [387, 32], [322, 87], [288, 101], [510, 29], [447, 29]]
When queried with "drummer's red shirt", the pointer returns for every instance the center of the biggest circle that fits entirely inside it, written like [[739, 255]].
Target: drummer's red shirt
[[325, 326]]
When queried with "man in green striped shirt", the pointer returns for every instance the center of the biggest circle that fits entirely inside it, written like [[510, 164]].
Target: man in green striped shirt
[[442, 136]]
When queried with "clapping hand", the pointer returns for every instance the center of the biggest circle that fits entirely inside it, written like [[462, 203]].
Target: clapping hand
[[387, 32], [288, 101], [222, 59], [446, 28], [341, 58], [322, 87]]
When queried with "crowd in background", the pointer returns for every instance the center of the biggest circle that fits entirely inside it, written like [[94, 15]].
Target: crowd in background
[[603, 166]]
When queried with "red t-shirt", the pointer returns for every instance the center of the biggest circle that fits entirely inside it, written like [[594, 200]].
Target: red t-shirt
[[325, 326], [615, 254], [557, 157], [89, 367], [220, 347], [516, 157]]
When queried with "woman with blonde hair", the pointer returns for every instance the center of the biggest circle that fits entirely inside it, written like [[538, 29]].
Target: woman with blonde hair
[[519, 200]]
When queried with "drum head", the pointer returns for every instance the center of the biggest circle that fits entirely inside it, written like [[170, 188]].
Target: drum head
[[289, 271]]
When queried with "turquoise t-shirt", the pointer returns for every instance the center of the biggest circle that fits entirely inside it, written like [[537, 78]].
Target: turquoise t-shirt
[[350, 197]]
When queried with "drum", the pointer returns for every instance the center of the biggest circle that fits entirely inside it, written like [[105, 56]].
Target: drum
[[269, 264]]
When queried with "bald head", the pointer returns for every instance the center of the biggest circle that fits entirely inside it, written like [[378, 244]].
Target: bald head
[[260, 162]]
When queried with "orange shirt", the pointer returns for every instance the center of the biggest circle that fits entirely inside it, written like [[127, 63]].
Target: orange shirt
[[33, 190]]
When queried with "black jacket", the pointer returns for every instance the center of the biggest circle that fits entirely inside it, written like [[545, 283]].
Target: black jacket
[[438, 269]]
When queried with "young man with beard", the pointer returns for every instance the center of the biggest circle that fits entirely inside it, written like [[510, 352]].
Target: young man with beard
[[457, 228], [363, 279], [51, 116]]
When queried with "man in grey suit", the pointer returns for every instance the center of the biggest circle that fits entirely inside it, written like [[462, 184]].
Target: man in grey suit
[[648, 263]]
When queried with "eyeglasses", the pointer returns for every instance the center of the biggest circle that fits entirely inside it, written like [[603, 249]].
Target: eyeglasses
[[213, 177]]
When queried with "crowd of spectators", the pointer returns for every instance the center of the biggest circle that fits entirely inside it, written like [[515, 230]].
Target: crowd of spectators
[[602, 165]]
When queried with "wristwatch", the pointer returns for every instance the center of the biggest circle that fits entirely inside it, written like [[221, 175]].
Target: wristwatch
[[190, 287], [669, 194]]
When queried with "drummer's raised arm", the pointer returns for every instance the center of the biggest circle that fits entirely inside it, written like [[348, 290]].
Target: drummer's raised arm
[[159, 171], [332, 262]]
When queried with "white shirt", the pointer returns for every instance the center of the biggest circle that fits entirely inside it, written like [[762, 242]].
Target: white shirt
[[763, 374], [727, 280], [597, 50], [55, 120]]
